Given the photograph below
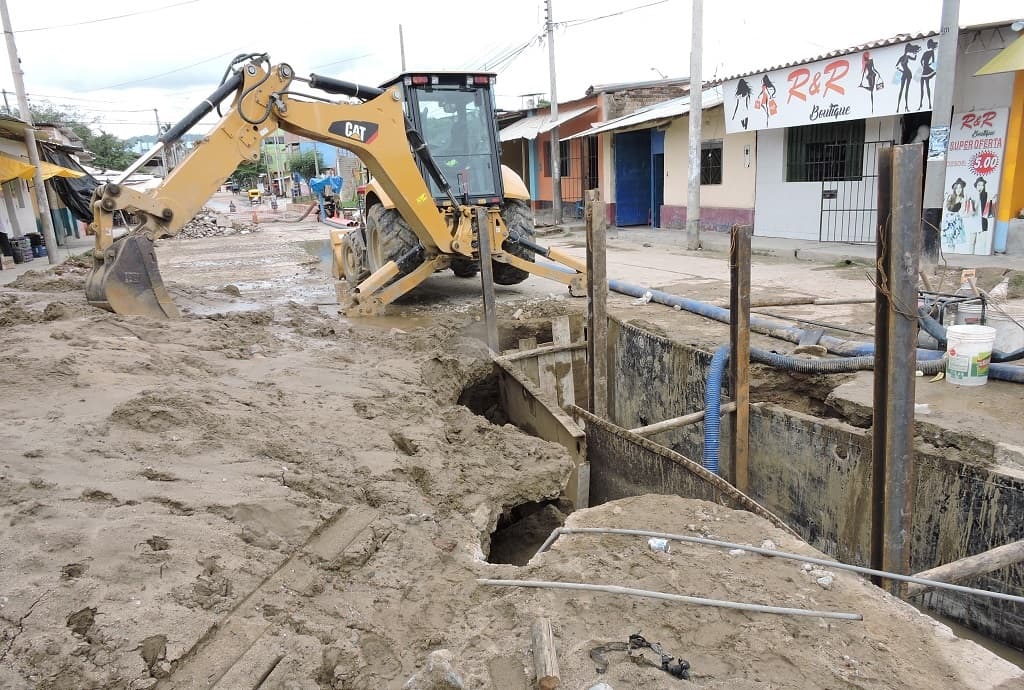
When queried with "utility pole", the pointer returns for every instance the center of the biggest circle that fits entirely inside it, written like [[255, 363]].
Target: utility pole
[[556, 174], [45, 218], [696, 119], [938, 141], [166, 151], [7, 107], [401, 45]]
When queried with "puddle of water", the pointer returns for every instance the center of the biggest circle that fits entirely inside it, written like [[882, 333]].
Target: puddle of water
[[1012, 655], [322, 250]]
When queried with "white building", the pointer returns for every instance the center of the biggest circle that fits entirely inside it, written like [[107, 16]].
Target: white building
[[820, 124]]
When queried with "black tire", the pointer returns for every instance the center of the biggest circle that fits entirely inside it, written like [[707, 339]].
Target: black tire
[[353, 258], [465, 268], [388, 236], [518, 219]]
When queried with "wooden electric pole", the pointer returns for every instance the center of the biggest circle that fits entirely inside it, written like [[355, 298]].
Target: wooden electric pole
[[556, 173], [45, 218]]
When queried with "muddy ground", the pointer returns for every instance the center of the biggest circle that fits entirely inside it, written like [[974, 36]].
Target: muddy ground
[[264, 494]]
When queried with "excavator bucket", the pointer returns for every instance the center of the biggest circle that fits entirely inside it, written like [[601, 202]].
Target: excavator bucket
[[125, 279]]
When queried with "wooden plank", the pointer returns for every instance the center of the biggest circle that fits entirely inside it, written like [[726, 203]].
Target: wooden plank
[[597, 305], [527, 353], [530, 366], [545, 658], [230, 641], [679, 422], [739, 351], [964, 568], [562, 362]]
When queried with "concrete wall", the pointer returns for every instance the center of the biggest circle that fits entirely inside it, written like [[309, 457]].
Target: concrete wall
[[721, 205], [815, 474], [793, 209]]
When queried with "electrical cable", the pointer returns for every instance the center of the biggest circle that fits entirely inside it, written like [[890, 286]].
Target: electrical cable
[[579, 22], [105, 19], [162, 74]]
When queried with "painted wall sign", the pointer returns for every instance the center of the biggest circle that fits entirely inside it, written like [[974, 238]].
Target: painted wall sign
[[870, 83], [974, 167]]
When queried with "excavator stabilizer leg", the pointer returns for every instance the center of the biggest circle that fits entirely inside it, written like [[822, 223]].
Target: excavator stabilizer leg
[[125, 279]]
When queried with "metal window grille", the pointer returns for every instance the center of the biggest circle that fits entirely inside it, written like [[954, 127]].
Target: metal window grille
[[827, 151], [711, 162]]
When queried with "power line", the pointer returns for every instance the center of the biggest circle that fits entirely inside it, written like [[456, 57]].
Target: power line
[[587, 20], [105, 19], [351, 59], [164, 74]]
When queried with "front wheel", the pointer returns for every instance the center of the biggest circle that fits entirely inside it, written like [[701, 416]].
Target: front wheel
[[465, 268], [353, 258], [519, 220]]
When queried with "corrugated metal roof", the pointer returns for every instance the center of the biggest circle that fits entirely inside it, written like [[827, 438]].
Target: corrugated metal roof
[[627, 85], [666, 110], [892, 40], [535, 125]]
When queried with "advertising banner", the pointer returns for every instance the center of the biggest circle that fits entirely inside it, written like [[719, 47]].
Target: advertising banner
[[974, 166], [890, 80]]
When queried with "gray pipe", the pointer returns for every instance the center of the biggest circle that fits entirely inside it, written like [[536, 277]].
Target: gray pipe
[[780, 554]]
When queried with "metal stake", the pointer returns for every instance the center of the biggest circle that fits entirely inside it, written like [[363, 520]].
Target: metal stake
[[487, 279], [899, 249]]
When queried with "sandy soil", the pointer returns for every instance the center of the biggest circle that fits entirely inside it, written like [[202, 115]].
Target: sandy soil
[[262, 494]]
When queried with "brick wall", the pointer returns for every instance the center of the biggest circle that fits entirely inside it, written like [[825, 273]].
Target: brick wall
[[619, 103]]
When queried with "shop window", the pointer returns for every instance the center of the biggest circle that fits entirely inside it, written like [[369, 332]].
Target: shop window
[[711, 162], [828, 151]]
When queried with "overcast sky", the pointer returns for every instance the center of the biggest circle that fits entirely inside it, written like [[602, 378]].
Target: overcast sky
[[172, 53]]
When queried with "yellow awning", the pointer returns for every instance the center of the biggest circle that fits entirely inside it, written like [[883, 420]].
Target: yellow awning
[[53, 170], [1009, 59], [12, 168]]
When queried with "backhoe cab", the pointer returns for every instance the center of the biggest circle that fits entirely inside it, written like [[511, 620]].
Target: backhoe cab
[[429, 142]]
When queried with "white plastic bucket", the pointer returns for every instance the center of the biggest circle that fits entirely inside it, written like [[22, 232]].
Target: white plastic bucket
[[968, 351], [1008, 324], [1007, 319]]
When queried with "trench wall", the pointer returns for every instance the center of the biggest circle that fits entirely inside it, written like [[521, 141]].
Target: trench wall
[[815, 474]]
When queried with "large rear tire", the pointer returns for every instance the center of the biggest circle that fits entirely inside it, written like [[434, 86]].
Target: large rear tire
[[519, 220], [388, 236]]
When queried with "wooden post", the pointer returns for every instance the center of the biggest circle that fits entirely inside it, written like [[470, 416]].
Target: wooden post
[[545, 660], [597, 305], [487, 279], [739, 351], [982, 563]]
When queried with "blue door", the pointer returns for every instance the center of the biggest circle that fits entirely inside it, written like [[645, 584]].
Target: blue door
[[633, 178]]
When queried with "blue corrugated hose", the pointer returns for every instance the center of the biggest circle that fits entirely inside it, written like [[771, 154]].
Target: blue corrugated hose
[[712, 408]]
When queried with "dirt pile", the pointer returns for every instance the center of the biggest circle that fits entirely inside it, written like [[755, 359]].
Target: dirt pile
[[284, 499], [210, 223]]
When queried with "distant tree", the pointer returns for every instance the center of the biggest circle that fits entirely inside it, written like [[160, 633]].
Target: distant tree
[[306, 163], [111, 153], [247, 173]]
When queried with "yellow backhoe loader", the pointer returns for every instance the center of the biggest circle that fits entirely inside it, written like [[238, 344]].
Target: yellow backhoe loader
[[421, 204]]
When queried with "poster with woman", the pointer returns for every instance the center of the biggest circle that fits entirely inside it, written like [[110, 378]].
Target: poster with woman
[[974, 166]]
